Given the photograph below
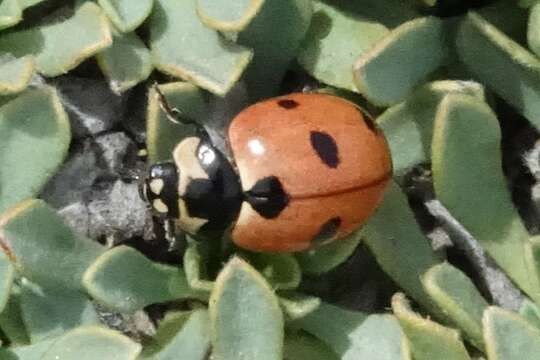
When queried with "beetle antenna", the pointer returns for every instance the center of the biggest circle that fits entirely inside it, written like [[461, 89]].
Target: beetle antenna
[[173, 114]]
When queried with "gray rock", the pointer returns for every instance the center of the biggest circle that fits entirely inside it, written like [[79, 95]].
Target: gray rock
[[92, 107], [137, 325], [117, 213], [117, 151], [74, 181]]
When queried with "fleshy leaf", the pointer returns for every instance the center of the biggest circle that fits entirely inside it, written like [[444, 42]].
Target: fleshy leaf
[[509, 337], [456, 296], [27, 352], [280, 270], [127, 15], [533, 31], [389, 71], [180, 336], [126, 63], [162, 134], [296, 305], [354, 335], [11, 321], [93, 342], [50, 313], [404, 253], [497, 61], [61, 46], [34, 134], [125, 280], [194, 266], [7, 274], [530, 312], [302, 345], [224, 15], [325, 258], [408, 126], [15, 74], [275, 36], [334, 41], [428, 339], [243, 301], [183, 46], [45, 250], [10, 13], [468, 180]]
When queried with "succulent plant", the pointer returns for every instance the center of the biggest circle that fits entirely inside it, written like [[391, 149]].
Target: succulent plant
[[447, 268]]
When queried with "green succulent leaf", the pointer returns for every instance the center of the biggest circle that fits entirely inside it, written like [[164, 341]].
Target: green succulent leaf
[[183, 46], [533, 31], [180, 336], [48, 313], [456, 296], [275, 36], [390, 70], [354, 335], [162, 135], [126, 62], [325, 258], [93, 342], [15, 74], [11, 321], [508, 336], [27, 352], [302, 345], [468, 180], [60, 46], [7, 274], [530, 312], [127, 15], [246, 320], [404, 253], [526, 3], [408, 126], [296, 305], [34, 134], [125, 280], [507, 68], [44, 249], [428, 339], [226, 15], [280, 270], [10, 13], [334, 41], [194, 266], [29, 3]]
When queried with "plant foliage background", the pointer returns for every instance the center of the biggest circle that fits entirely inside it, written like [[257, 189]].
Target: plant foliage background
[[448, 267]]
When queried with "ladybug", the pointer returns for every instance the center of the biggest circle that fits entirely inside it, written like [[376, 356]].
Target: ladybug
[[306, 169]]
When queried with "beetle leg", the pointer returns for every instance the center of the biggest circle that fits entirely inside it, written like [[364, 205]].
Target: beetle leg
[[173, 114]]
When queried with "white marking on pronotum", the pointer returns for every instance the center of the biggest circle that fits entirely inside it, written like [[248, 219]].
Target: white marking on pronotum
[[187, 163]]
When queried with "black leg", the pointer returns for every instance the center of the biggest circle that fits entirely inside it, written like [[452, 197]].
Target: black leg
[[173, 114]]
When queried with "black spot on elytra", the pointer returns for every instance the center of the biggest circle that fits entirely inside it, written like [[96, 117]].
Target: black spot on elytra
[[267, 197], [288, 104], [326, 148], [328, 230]]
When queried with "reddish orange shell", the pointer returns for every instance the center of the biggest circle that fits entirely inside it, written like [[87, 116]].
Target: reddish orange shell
[[331, 160]]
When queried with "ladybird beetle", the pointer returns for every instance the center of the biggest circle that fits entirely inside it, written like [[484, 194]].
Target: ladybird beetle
[[307, 169]]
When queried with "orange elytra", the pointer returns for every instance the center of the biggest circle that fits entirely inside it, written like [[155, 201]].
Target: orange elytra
[[306, 169]]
